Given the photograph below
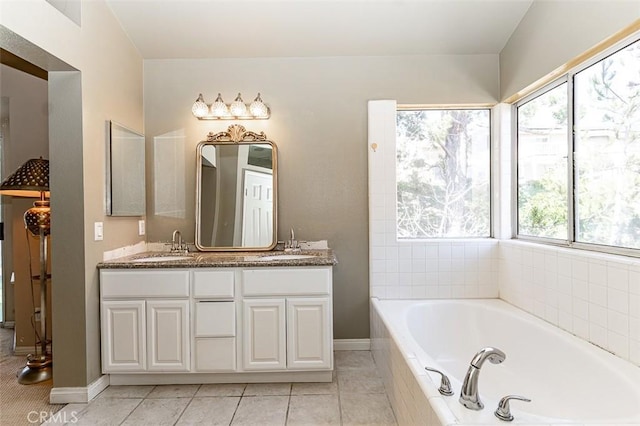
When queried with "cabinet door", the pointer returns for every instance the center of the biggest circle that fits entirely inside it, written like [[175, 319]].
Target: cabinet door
[[309, 342], [123, 336], [264, 334], [168, 335]]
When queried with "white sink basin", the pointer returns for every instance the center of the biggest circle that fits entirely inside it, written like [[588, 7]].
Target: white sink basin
[[286, 257], [163, 258]]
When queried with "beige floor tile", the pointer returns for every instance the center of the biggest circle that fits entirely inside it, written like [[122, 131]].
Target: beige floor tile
[[222, 389], [174, 391], [157, 412], [370, 410], [313, 410], [107, 411], [263, 389], [261, 411], [126, 392], [67, 415], [216, 410], [360, 381], [353, 360], [315, 388]]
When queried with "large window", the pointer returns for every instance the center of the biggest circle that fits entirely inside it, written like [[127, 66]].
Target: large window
[[443, 173], [598, 203]]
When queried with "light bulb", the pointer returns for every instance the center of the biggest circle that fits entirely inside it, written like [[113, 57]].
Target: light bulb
[[200, 108], [238, 108], [219, 108], [258, 108]]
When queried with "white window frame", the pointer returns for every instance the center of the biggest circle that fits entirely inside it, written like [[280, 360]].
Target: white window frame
[[568, 78]]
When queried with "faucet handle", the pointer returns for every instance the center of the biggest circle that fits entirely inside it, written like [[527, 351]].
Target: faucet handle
[[445, 384], [503, 412]]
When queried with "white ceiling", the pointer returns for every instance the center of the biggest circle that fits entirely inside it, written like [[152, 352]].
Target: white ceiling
[[165, 29]]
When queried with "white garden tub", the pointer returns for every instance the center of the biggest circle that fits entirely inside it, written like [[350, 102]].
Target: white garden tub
[[567, 379]]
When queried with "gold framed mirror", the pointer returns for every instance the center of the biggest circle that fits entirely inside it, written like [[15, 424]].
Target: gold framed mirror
[[236, 191]]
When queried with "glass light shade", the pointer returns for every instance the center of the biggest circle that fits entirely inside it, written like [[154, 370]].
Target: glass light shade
[[200, 108], [238, 108], [219, 108], [258, 108]]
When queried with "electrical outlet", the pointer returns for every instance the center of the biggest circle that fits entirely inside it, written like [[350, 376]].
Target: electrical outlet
[[37, 314], [98, 231], [141, 229]]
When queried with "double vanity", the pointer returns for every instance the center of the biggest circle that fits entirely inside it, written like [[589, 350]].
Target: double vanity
[[235, 311], [217, 317]]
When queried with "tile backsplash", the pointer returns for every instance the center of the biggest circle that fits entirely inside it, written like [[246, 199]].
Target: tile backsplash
[[592, 295], [419, 270]]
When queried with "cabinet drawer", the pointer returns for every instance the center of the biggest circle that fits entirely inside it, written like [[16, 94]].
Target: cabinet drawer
[[213, 284], [286, 281], [147, 284], [215, 319], [216, 354]]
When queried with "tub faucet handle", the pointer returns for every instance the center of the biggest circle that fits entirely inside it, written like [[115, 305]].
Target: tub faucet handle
[[445, 384], [503, 412]]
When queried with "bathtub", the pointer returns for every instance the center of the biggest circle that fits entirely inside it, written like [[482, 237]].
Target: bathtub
[[568, 380]]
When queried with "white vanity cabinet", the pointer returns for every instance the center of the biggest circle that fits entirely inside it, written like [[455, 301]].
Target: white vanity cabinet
[[216, 324], [144, 320], [287, 320]]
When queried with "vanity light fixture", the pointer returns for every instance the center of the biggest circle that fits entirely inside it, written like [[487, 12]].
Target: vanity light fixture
[[237, 110]]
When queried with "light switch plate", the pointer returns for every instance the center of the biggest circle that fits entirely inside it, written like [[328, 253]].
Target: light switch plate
[[98, 234], [141, 227]]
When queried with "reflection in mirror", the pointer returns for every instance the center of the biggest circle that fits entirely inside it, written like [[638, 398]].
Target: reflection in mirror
[[236, 192], [125, 168]]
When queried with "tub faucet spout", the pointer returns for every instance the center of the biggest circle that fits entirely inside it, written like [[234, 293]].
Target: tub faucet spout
[[469, 396]]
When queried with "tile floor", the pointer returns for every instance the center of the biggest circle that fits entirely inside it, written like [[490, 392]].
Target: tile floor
[[356, 396]]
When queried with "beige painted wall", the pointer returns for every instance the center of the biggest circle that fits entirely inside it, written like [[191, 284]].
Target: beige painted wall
[[318, 121], [108, 87], [554, 32], [28, 138]]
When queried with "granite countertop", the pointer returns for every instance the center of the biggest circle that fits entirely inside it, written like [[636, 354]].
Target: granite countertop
[[221, 260]]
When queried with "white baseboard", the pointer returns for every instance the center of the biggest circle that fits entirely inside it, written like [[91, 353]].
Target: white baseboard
[[9, 324], [351, 345], [24, 350], [79, 394]]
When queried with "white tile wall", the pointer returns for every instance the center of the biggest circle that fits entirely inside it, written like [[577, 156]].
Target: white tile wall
[[416, 269], [592, 295], [411, 392]]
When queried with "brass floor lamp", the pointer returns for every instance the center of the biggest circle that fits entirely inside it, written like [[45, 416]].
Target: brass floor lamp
[[32, 180]]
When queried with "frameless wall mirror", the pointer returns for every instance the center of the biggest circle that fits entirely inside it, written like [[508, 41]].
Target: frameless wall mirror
[[125, 171], [236, 191]]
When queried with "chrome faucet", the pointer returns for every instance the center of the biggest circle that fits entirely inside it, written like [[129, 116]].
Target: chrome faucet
[[292, 244], [469, 396], [177, 244], [503, 412]]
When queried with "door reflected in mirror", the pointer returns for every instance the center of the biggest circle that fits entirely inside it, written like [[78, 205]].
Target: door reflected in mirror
[[236, 195]]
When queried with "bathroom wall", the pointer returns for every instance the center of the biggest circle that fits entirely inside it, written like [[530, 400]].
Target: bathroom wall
[[554, 32], [95, 75], [319, 122], [400, 269], [592, 295]]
